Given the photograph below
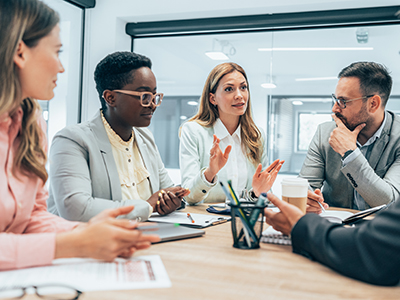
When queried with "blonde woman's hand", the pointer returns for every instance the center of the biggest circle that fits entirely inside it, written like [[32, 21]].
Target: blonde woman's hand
[[263, 181], [218, 159]]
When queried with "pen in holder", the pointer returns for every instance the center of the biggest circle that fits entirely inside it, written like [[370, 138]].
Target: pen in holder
[[247, 224]]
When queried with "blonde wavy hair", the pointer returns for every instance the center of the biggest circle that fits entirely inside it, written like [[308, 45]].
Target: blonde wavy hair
[[208, 113], [27, 21]]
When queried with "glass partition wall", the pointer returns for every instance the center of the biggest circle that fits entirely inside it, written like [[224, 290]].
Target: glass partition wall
[[292, 75], [64, 108]]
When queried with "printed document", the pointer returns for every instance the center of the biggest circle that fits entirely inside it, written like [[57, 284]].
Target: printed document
[[140, 272]]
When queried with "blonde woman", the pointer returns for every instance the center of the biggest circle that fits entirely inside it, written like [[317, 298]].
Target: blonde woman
[[29, 235], [222, 142]]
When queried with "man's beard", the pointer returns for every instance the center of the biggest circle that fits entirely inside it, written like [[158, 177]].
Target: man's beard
[[362, 118]]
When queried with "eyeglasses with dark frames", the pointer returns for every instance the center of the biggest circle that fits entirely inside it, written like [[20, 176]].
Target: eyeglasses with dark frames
[[146, 98], [342, 102], [48, 292]]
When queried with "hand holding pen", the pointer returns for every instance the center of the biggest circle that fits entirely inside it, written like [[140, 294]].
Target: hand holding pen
[[315, 202]]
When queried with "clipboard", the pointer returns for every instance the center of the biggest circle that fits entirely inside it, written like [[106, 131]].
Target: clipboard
[[195, 220]]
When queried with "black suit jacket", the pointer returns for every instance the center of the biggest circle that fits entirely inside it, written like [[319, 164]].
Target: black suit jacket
[[369, 252]]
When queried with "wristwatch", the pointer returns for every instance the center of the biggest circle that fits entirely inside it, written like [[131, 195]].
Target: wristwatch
[[251, 196], [347, 153]]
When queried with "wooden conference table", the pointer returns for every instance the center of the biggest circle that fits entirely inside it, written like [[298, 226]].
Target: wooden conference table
[[209, 267]]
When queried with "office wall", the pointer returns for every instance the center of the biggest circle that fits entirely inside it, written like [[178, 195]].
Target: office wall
[[105, 28], [105, 33]]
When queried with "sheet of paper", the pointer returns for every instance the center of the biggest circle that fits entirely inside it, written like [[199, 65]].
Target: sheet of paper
[[219, 205], [200, 220], [140, 272], [336, 216]]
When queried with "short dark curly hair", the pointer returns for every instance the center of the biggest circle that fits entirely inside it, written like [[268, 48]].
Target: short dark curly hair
[[116, 70]]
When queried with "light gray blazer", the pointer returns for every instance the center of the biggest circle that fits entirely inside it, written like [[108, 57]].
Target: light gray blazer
[[84, 178], [194, 156], [377, 180]]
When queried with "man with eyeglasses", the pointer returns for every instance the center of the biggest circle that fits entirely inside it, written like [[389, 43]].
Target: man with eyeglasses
[[354, 162]]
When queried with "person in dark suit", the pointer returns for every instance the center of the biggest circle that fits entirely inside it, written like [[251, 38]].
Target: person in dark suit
[[367, 252], [355, 160]]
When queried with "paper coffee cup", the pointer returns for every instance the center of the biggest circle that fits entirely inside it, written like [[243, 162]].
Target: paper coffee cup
[[294, 191]]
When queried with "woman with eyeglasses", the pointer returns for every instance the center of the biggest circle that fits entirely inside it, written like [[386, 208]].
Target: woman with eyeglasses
[[221, 141], [29, 235], [112, 160]]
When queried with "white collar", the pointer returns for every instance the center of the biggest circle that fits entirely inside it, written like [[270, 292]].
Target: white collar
[[221, 131]]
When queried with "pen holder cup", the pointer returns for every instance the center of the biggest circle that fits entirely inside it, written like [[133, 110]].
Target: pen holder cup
[[247, 225]]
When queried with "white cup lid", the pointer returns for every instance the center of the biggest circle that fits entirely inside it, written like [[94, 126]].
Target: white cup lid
[[295, 181]]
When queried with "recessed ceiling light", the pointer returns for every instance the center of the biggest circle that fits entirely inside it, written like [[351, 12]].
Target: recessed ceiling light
[[193, 103], [316, 78], [319, 49], [217, 55], [46, 115], [183, 117], [297, 102], [269, 85]]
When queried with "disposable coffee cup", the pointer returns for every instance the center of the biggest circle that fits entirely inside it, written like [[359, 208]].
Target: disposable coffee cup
[[294, 191]]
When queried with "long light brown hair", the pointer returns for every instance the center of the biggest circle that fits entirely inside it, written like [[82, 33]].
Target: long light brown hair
[[208, 113], [27, 21]]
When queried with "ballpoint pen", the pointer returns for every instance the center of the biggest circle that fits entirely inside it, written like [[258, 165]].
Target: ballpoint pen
[[190, 218], [322, 207], [241, 214], [256, 211], [319, 203], [245, 221]]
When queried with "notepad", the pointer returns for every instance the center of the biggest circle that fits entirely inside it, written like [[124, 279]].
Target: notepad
[[272, 236], [197, 220]]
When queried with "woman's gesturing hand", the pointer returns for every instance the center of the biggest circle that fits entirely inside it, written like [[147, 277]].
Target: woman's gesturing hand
[[263, 181], [218, 159]]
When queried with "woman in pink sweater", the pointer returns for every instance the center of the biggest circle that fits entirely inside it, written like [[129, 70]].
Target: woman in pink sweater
[[29, 235]]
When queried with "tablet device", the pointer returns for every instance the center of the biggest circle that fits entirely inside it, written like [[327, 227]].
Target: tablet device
[[171, 232]]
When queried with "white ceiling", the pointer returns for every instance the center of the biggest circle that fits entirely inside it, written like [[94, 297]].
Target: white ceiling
[[160, 10], [181, 66]]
